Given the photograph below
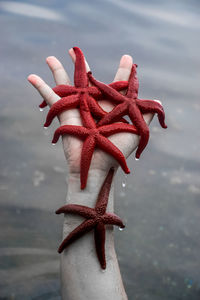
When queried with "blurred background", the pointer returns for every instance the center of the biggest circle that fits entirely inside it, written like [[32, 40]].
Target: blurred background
[[160, 201]]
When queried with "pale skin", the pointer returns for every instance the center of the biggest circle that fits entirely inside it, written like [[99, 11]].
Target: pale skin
[[81, 275]]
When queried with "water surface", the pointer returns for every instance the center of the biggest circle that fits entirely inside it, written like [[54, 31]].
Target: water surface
[[159, 250]]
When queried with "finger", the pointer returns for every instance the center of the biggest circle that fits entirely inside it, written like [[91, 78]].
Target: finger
[[148, 118], [59, 73], [45, 91], [124, 69], [73, 57]]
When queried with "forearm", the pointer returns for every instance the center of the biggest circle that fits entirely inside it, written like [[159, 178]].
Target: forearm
[[82, 277], [81, 274]]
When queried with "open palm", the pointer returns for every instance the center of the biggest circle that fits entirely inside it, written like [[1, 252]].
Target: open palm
[[126, 142]]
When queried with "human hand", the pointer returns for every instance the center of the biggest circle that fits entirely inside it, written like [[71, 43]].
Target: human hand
[[73, 274], [126, 142]]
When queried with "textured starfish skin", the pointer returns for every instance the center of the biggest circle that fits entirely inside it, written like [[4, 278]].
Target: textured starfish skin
[[63, 90], [71, 96], [94, 136], [130, 105], [96, 218], [66, 90], [73, 101]]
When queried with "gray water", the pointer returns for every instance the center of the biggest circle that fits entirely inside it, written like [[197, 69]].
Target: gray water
[[159, 249]]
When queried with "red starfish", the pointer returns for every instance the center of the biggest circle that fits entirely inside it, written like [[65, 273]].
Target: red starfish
[[64, 90], [94, 136], [96, 218], [72, 95], [130, 105]]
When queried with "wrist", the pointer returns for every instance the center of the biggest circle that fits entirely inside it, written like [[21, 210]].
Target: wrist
[[79, 263], [88, 196]]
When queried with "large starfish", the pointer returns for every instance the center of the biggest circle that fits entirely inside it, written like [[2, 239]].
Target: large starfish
[[94, 136], [96, 218], [130, 105], [71, 96]]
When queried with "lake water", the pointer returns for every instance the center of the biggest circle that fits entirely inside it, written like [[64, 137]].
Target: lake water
[[159, 250]]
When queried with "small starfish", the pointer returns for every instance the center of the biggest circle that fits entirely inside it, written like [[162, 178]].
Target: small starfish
[[94, 136], [130, 105], [96, 218], [72, 95]]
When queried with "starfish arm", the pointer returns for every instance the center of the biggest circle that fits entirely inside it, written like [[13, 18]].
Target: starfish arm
[[80, 75], [79, 131], [86, 157], [99, 237], [103, 195], [107, 90], [143, 130], [111, 149], [97, 111], [86, 116], [76, 209], [133, 85], [150, 106], [112, 219], [95, 108], [61, 90], [108, 130], [94, 91], [117, 85], [115, 115], [43, 104], [78, 232], [64, 90], [60, 106]]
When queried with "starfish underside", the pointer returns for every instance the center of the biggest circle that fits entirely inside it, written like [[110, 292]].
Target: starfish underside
[[96, 218]]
